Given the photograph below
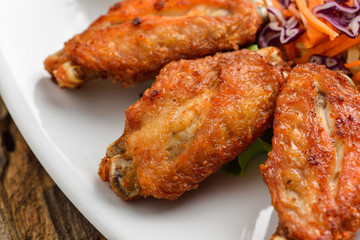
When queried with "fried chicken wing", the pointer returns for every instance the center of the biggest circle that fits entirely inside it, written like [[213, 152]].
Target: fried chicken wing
[[197, 115], [136, 38], [313, 170]]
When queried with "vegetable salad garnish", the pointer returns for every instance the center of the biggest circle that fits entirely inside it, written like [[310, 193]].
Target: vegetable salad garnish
[[323, 32]]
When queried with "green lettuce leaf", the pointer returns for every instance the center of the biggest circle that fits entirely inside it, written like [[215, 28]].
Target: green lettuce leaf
[[253, 47], [238, 165]]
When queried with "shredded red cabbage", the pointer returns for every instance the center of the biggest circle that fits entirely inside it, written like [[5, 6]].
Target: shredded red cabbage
[[344, 18], [335, 63], [287, 31]]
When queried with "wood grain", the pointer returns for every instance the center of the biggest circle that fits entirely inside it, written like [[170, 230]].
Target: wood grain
[[31, 204]]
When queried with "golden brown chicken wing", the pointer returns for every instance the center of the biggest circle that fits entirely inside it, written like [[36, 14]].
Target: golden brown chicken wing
[[313, 170], [136, 38], [197, 115]]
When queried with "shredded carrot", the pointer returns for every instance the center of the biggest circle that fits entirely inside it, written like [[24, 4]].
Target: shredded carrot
[[276, 4], [356, 77], [352, 64], [287, 13], [314, 21], [315, 36], [314, 3], [320, 49], [294, 11], [290, 50], [344, 45], [306, 42]]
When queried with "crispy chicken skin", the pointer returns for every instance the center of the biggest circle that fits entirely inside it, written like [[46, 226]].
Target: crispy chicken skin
[[136, 38], [197, 115], [313, 170]]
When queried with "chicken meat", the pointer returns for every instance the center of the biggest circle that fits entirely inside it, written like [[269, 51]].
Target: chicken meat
[[136, 38], [313, 170], [198, 115]]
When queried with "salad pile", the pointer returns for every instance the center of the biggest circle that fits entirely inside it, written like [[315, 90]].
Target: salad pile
[[324, 32]]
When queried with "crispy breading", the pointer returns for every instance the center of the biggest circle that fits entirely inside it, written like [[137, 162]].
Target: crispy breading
[[136, 38], [198, 115], [313, 170]]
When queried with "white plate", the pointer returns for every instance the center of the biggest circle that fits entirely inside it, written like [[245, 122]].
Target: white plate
[[69, 132]]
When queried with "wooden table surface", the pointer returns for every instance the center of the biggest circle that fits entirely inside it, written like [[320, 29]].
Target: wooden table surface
[[31, 204]]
